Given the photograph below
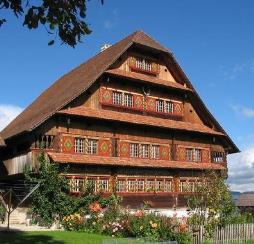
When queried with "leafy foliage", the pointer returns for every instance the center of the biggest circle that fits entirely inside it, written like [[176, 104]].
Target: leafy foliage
[[50, 201], [212, 205], [60, 17], [2, 212]]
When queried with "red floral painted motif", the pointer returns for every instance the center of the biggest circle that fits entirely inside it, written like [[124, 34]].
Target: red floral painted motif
[[181, 154], [155, 68], [124, 149], [164, 152], [106, 96], [138, 101], [178, 108], [151, 104], [104, 148], [68, 144], [205, 156]]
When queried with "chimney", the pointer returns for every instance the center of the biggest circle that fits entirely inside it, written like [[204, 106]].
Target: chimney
[[105, 46]]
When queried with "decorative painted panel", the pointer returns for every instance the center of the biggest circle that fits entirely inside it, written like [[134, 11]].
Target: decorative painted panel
[[178, 109], [106, 96], [104, 147], [206, 156], [151, 104], [164, 152], [180, 153], [124, 149], [68, 144], [138, 102]]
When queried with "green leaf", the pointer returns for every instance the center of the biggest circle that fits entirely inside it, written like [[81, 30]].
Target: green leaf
[[51, 42]]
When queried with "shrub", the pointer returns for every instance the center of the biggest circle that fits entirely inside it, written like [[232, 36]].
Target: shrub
[[2, 212]]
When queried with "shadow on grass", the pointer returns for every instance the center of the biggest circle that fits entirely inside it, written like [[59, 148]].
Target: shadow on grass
[[10, 237]]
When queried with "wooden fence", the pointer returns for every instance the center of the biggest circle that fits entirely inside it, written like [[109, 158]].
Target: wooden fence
[[234, 233]]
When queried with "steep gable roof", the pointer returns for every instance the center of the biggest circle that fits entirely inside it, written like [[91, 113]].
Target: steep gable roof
[[2, 143], [75, 82], [81, 78]]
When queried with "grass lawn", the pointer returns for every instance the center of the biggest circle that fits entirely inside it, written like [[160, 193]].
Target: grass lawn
[[50, 237], [62, 237]]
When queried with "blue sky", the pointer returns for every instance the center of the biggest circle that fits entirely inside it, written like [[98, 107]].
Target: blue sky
[[212, 41]]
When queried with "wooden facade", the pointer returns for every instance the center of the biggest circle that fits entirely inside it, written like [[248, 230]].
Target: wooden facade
[[127, 121]]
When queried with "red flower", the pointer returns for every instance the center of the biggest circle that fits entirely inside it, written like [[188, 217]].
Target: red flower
[[95, 207], [139, 213]]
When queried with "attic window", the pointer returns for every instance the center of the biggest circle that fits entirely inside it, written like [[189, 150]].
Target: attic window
[[143, 65]]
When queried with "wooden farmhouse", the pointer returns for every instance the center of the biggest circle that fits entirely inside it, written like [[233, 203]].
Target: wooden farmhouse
[[128, 121]]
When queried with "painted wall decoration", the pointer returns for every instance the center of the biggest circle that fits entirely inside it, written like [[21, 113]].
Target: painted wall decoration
[[68, 144], [106, 96], [104, 147], [164, 152], [124, 149]]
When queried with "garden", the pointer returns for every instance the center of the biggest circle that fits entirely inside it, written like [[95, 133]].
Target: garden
[[92, 216]]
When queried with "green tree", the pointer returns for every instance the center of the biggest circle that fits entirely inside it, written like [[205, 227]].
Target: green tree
[[212, 204], [51, 199], [65, 19]]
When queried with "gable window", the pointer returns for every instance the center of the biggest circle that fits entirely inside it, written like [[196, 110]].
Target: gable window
[[79, 145], [144, 151], [117, 98], [144, 64], [92, 146], [159, 105], [155, 151], [128, 100], [134, 150], [168, 107]]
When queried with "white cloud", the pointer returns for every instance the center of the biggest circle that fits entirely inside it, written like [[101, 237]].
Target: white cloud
[[8, 113], [237, 69], [241, 170], [108, 24], [243, 111]]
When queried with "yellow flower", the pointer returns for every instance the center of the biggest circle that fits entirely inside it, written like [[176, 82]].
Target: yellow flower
[[141, 227]]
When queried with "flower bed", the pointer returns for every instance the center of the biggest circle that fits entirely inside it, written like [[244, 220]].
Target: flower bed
[[117, 222]]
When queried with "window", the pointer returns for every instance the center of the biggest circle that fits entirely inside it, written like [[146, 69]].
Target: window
[[168, 186], [150, 185], [193, 154], [77, 185], [144, 151], [121, 186], [155, 151], [144, 64], [79, 145], [189, 153], [159, 105], [128, 100], [92, 146], [218, 157], [159, 185], [131, 185], [103, 185], [134, 150], [184, 186], [91, 184], [169, 107], [197, 155], [117, 98]]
